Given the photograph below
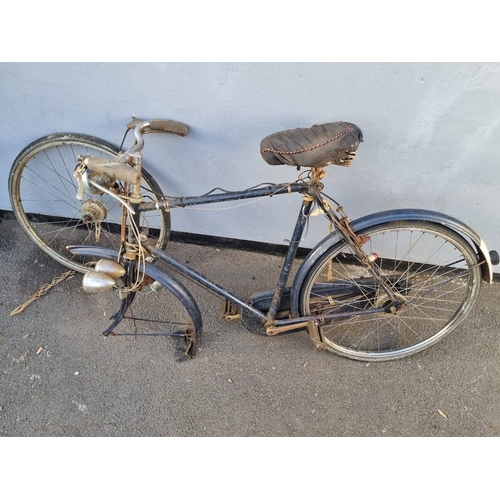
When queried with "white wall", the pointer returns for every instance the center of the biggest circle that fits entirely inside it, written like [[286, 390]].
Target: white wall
[[431, 132]]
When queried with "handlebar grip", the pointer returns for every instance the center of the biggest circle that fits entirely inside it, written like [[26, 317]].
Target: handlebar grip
[[169, 126], [113, 169]]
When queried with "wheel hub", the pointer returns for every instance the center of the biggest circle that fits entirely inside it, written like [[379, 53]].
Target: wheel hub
[[384, 300], [94, 212]]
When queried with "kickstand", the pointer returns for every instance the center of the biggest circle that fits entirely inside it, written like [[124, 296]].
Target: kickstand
[[118, 315]]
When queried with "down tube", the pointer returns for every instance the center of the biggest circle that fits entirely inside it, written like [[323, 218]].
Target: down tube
[[202, 280]]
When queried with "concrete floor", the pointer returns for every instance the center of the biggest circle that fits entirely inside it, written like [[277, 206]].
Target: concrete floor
[[60, 377]]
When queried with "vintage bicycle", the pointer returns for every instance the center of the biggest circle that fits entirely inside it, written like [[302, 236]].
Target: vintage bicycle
[[378, 288]]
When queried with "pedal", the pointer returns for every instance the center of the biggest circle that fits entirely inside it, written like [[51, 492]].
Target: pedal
[[315, 335], [229, 311]]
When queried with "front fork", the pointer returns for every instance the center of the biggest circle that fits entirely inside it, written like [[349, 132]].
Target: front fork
[[130, 198]]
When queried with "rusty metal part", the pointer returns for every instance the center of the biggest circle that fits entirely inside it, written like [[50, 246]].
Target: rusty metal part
[[355, 242], [275, 330], [359, 239], [131, 251], [229, 311], [317, 174], [147, 281], [314, 331], [311, 325], [190, 347], [123, 229], [94, 212]]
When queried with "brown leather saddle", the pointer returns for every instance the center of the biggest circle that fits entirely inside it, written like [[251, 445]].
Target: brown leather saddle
[[320, 145]]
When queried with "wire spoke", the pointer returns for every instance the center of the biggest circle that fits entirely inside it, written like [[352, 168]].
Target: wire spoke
[[430, 273]]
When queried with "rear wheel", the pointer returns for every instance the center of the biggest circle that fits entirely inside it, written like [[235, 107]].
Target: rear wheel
[[432, 271], [43, 192]]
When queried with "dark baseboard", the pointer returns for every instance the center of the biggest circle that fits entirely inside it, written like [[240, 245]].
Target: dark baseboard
[[236, 244], [213, 241], [218, 241]]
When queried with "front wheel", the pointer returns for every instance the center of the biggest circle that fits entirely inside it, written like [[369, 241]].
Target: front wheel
[[43, 192], [432, 271]]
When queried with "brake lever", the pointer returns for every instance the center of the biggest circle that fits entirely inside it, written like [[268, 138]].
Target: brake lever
[[80, 170]]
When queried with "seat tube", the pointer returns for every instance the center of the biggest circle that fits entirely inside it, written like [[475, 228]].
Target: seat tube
[[307, 201]]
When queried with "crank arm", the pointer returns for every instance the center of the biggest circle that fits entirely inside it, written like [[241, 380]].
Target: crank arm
[[297, 323]]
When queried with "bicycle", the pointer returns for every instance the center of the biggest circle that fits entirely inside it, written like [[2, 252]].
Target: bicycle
[[382, 287]]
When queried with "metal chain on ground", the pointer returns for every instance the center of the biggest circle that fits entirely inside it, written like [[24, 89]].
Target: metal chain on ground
[[44, 289]]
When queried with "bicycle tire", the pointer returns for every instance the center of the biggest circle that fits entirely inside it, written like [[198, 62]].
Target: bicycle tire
[[43, 190], [433, 270]]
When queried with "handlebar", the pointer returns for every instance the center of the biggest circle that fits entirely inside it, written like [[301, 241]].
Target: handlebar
[[120, 168], [159, 125], [142, 127]]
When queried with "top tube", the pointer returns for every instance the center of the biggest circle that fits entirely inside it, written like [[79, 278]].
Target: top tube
[[189, 201]]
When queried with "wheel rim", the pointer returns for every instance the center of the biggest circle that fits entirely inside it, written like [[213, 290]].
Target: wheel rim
[[43, 195], [433, 273]]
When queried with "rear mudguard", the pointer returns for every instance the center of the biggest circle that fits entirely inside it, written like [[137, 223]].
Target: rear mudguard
[[392, 216], [157, 274]]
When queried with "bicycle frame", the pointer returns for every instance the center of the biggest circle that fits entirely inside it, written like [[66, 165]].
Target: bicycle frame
[[268, 317], [238, 195], [272, 325]]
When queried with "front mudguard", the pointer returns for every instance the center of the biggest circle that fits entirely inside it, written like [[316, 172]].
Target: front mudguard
[[393, 216], [157, 274]]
